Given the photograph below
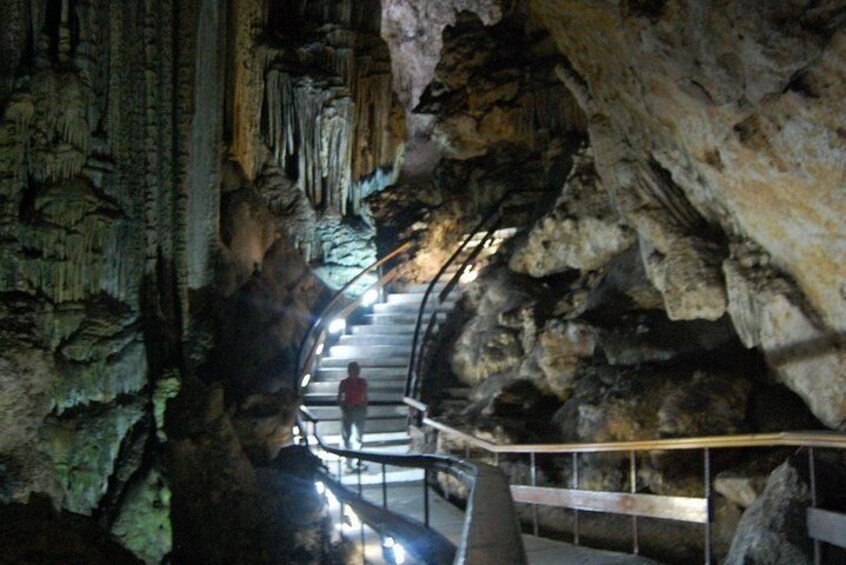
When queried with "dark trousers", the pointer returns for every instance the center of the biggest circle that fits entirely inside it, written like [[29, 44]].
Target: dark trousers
[[353, 419]]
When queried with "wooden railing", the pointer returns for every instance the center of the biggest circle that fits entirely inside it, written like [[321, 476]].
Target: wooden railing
[[824, 526]]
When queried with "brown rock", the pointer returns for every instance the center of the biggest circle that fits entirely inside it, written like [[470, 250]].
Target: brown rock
[[582, 232]]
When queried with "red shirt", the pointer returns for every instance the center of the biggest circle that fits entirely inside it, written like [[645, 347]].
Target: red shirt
[[353, 391]]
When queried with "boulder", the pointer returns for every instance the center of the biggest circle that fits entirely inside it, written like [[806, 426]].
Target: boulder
[[773, 529]]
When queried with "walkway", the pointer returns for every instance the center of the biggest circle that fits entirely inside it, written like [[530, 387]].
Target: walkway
[[407, 498]]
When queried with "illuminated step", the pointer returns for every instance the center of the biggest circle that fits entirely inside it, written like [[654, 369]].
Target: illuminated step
[[368, 351], [388, 339], [336, 374], [328, 362]]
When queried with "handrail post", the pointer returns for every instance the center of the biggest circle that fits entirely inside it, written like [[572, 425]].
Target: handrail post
[[384, 489], [363, 545], [813, 479], [534, 474], [633, 485], [707, 458], [426, 497], [575, 487]]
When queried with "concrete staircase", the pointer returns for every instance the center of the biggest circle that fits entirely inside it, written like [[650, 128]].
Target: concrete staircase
[[380, 342]]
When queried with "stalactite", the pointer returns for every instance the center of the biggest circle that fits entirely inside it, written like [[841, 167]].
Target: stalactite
[[357, 132]]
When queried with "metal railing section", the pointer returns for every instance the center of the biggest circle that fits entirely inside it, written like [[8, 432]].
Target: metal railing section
[[488, 224], [337, 308], [824, 526], [491, 534]]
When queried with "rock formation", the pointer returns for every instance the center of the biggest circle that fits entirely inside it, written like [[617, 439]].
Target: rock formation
[[183, 184], [167, 170]]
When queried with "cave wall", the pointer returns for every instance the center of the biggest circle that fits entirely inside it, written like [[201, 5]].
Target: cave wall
[[726, 118], [716, 131], [155, 184], [107, 224]]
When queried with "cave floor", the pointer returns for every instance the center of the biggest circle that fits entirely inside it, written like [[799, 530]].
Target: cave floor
[[407, 498]]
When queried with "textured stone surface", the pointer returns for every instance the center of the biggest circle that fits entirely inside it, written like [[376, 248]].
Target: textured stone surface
[[770, 314], [740, 107], [582, 232], [739, 489], [143, 524], [486, 348], [264, 422], [620, 405], [210, 476], [85, 446], [773, 529], [496, 84], [413, 31]]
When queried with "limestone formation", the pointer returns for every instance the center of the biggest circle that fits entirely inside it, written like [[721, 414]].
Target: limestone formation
[[729, 117], [143, 525], [582, 231], [769, 313], [413, 31], [85, 450], [496, 84], [773, 529]]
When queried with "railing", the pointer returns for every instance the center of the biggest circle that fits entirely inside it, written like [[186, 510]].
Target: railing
[[489, 223], [491, 534], [824, 526], [316, 334]]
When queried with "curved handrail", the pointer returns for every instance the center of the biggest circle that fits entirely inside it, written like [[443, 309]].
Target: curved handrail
[[317, 326], [489, 504], [496, 210]]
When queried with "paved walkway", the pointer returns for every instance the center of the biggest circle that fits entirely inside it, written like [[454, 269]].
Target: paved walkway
[[407, 498]]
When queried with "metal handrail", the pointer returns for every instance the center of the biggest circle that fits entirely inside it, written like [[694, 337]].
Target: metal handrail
[[411, 384], [820, 523], [781, 439], [312, 335], [489, 498]]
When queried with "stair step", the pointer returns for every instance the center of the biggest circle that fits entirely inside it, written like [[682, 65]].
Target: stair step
[[368, 351], [336, 374], [388, 339], [409, 297], [330, 362], [330, 413], [409, 308], [327, 387], [387, 329], [397, 475], [330, 398], [371, 440], [376, 430], [398, 319]]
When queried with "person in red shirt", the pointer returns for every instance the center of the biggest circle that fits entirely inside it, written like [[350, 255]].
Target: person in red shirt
[[352, 398]]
